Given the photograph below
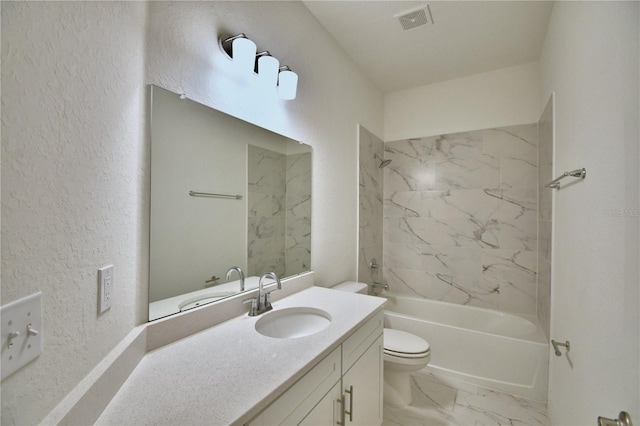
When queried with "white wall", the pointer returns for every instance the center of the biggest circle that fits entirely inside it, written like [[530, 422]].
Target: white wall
[[75, 158], [591, 60], [74, 165], [504, 97]]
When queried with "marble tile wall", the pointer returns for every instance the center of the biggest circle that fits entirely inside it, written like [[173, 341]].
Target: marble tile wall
[[279, 212], [545, 174], [370, 210], [298, 214], [266, 211], [460, 217]]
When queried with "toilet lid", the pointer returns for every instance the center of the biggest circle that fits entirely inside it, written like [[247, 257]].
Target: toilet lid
[[404, 343]]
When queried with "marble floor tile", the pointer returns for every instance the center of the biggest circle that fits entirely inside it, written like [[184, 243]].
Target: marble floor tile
[[435, 403]]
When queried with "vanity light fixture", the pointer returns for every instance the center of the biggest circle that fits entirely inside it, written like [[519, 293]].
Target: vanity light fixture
[[287, 83], [241, 50], [266, 67]]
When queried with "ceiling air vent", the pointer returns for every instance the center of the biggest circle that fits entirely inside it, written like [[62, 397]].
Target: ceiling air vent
[[415, 18]]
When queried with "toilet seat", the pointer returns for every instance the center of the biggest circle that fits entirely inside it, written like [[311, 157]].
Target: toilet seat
[[401, 344]]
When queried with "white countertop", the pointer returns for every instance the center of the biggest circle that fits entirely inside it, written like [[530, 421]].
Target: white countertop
[[228, 373]]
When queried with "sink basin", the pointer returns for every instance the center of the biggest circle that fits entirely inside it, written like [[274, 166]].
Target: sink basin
[[203, 299], [290, 323]]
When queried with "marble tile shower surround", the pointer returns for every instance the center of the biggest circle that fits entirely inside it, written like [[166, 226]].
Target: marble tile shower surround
[[545, 174], [298, 214], [279, 200], [460, 217], [370, 209]]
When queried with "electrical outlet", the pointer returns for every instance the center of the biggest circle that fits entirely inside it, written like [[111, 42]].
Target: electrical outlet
[[105, 288]]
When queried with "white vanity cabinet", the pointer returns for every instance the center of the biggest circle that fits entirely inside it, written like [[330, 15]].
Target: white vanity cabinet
[[345, 388], [363, 387]]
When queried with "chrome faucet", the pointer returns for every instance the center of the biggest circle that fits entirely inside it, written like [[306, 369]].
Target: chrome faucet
[[239, 271], [262, 303]]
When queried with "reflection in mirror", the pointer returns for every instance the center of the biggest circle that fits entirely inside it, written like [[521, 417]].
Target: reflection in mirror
[[224, 193]]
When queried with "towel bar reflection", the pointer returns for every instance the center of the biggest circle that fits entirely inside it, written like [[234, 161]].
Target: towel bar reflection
[[210, 194], [579, 173]]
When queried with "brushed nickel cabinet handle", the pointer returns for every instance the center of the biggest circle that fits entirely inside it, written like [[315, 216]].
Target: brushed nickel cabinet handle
[[350, 412]]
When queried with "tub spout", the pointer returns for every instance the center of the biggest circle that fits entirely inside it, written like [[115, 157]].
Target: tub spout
[[380, 285]]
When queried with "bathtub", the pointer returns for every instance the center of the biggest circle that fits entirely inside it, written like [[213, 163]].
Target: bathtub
[[481, 347]]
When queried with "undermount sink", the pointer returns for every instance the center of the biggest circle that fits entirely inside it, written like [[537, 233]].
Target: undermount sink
[[290, 323]]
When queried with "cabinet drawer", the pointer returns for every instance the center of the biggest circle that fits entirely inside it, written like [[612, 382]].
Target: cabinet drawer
[[295, 403], [359, 341]]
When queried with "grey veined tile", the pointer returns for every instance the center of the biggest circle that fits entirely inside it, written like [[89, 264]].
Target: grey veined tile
[[469, 290], [469, 173], [494, 408], [409, 177], [436, 403], [464, 145], [413, 282], [451, 260], [460, 232], [404, 204], [519, 173], [480, 203], [515, 142]]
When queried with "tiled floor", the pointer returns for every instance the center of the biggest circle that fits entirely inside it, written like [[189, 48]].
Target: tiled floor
[[435, 403]]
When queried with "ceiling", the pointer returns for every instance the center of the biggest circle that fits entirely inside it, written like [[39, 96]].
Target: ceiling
[[466, 37]]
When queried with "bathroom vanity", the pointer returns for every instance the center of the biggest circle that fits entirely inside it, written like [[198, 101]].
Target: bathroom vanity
[[233, 374], [343, 388]]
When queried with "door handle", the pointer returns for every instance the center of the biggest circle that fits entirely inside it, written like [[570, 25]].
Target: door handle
[[624, 419], [555, 344]]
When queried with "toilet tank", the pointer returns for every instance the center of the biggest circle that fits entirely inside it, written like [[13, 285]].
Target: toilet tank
[[352, 286]]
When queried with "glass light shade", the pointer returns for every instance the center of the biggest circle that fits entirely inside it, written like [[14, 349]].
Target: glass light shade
[[287, 85], [244, 55], [268, 71]]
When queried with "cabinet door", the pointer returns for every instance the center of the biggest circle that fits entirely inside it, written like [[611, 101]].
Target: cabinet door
[[327, 412], [364, 379], [301, 398]]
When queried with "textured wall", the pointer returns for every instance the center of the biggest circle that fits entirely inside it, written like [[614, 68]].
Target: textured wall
[[497, 98], [74, 166], [460, 215], [593, 71], [75, 162], [370, 211]]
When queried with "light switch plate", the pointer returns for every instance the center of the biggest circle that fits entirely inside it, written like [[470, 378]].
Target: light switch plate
[[105, 288], [21, 332]]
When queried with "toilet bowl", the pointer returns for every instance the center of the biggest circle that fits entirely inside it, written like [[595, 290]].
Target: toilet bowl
[[404, 353]]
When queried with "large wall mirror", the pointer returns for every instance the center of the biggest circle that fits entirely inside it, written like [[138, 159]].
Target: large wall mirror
[[224, 193]]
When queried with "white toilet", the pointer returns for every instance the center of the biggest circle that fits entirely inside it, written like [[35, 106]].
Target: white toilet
[[403, 353]]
